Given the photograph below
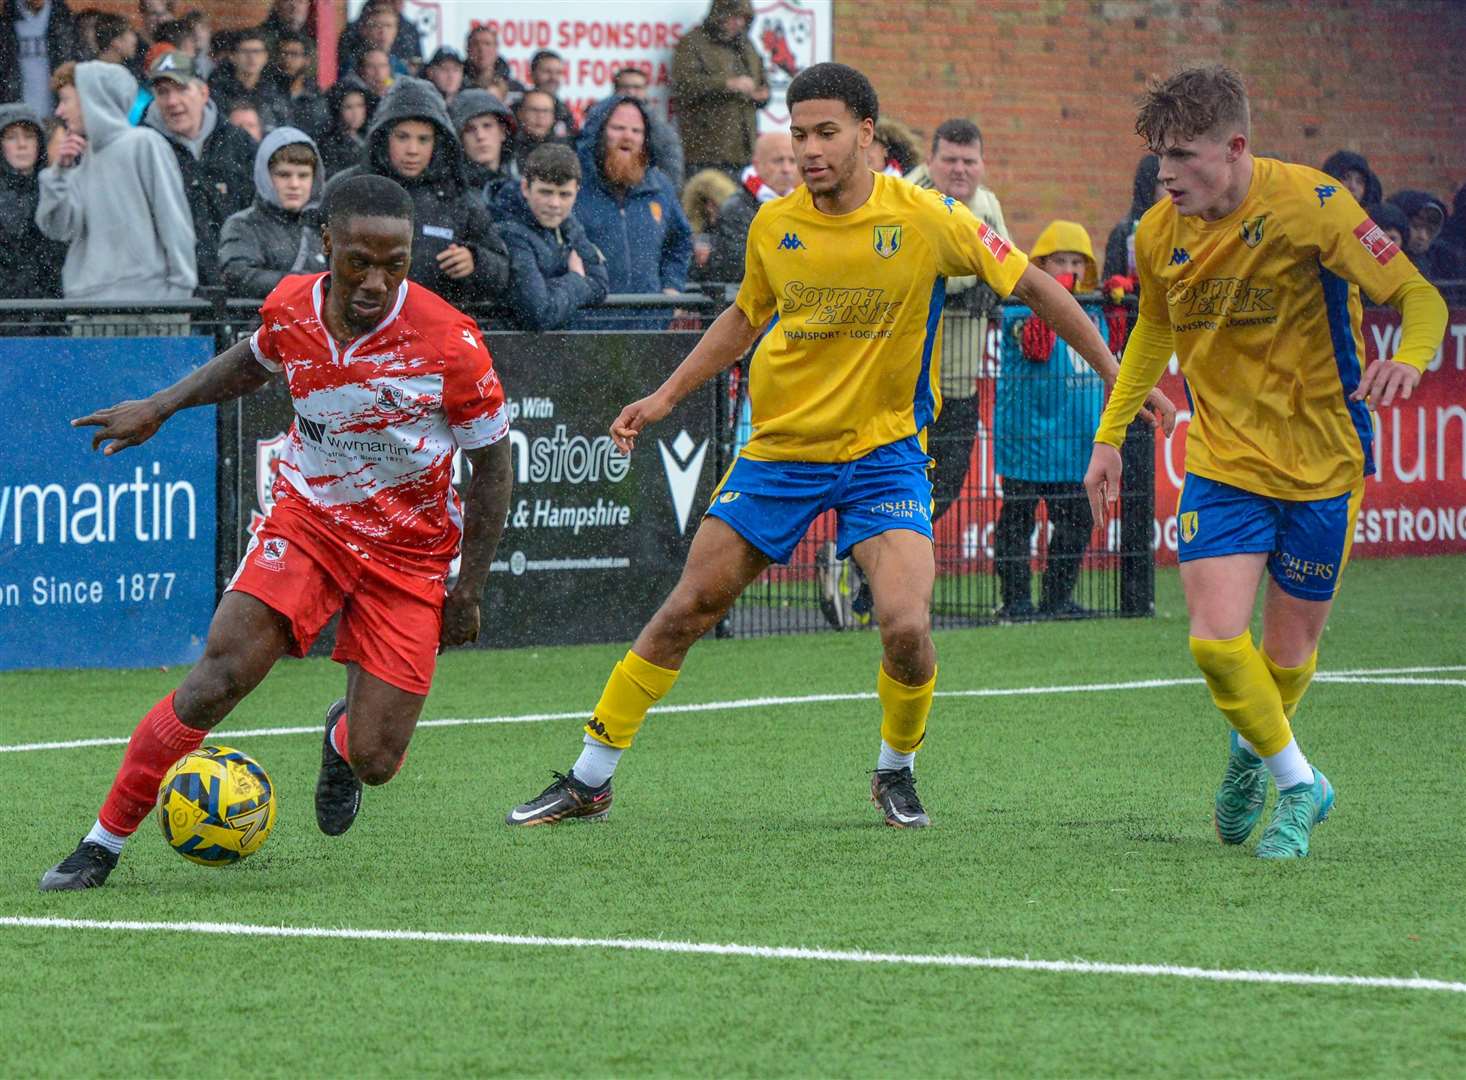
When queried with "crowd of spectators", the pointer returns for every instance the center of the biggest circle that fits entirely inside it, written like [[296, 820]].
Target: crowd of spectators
[[153, 158]]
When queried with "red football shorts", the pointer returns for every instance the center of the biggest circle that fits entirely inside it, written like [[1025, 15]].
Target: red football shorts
[[390, 621]]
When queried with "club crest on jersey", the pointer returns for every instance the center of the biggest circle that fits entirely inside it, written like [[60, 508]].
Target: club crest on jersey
[[1189, 526], [389, 397], [1252, 230], [887, 240]]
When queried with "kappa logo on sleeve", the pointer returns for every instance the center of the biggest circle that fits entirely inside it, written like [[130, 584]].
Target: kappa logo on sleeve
[[993, 241], [1376, 241]]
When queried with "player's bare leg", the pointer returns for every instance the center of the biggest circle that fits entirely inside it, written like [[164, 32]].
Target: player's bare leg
[[245, 639], [901, 569], [1245, 685], [366, 739], [720, 565]]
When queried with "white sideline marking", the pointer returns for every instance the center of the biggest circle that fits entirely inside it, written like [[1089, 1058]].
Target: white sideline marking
[[760, 952], [1366, 676]]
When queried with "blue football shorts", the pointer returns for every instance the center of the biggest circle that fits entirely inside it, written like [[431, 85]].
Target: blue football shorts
[[772, 503], [1307, 541]]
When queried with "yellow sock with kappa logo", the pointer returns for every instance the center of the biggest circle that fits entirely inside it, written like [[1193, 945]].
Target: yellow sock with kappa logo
[[1243, 689], [904, 710], [1291, 682], [634, 687]]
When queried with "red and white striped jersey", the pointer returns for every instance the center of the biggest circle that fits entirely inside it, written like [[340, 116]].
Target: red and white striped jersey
[[376, 424]]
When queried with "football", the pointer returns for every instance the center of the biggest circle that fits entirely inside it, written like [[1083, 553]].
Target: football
[[216, 806]]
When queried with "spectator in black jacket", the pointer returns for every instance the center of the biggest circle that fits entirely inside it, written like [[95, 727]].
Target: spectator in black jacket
[[391, 32], [349, 109], [1145, 191], [281, 233], [290, 17], [486, 128], [30, 263], [1427, 216], [773, 174], [36, 38], [246, 78], [456, 251], [1353, 169], [445, 71], [535, 115], [547, 73], [556, 270], [294, 73], [215, 157], [485, 68]]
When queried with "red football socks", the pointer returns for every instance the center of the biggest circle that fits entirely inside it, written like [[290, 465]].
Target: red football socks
[[159, 740]]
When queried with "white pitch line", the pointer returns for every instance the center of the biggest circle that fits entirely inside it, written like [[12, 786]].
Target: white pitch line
[[1355, 676], [759, 952]]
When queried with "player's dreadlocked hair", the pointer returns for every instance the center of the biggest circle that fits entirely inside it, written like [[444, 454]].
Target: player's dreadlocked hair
[[835, 82], [1191, 103], [367, 195]]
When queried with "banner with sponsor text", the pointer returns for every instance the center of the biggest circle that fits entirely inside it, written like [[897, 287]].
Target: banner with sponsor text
[[1415, 504], [595, 539], [105, 561]]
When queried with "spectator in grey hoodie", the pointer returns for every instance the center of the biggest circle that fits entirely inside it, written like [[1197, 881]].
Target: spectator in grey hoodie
[[281, 233], [114, 194]]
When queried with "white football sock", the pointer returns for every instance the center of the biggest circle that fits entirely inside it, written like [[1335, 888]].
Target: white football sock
[[111, 841], [894, 759], [1289, 767], [596, 763]]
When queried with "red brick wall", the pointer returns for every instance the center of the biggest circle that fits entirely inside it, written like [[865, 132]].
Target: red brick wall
[[1052, 85]]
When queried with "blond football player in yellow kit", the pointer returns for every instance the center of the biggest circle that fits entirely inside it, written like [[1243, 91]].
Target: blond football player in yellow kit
[[1250, 272], [844, 280]]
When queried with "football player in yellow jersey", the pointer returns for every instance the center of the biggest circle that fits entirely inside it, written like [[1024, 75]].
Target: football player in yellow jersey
[[844, 281], [1250, 272]]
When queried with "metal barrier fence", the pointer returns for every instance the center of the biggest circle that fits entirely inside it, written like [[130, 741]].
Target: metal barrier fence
[[1012, 526]]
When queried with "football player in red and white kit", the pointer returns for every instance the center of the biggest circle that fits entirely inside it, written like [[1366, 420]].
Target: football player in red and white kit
[[388, 380]]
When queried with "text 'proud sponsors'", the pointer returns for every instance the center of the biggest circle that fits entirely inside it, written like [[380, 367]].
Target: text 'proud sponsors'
[[104, 561], [1415, 504], [597, 39]]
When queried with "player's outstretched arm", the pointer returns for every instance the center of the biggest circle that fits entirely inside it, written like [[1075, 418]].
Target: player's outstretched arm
[[1423, 319], [487, 505], [233, 373], [1056, 306], [726, 340]]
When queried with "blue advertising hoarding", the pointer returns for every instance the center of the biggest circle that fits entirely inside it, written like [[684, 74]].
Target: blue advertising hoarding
[[104, 561]]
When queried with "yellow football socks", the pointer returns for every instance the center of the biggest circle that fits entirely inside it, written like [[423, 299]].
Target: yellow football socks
[[634, 687], [1291, 681], [1244, 691], [904, 711]]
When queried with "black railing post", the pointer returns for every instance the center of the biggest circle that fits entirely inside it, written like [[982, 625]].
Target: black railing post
[[1137, 520]]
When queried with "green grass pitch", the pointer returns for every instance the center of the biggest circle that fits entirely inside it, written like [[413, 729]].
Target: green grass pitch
[[1067, 826]]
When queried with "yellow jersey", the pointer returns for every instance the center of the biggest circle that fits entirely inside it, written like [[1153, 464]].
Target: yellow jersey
[[1264, 312], [852, 306]]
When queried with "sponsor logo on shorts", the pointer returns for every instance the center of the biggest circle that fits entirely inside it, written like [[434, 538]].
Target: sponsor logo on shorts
[[1190, 526], [1376, 241], [729, 496], [906, 509], [1301, 570]]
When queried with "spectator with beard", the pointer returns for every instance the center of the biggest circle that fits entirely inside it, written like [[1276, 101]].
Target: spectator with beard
[[628, 206], [486, 69], [1145, 192], [1354, 171], [665, 142], [374, 68], [281, 233], [112, 192], [36, 38], [30, 263], [718, 87], [535, 114], [485, 126], [456, 251], [1427, 216], [295, 77], [445, 71], [244, 78], [895, 150], [773, 174], [215, 158], [349, 108], [547, 73], [556, 270]]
